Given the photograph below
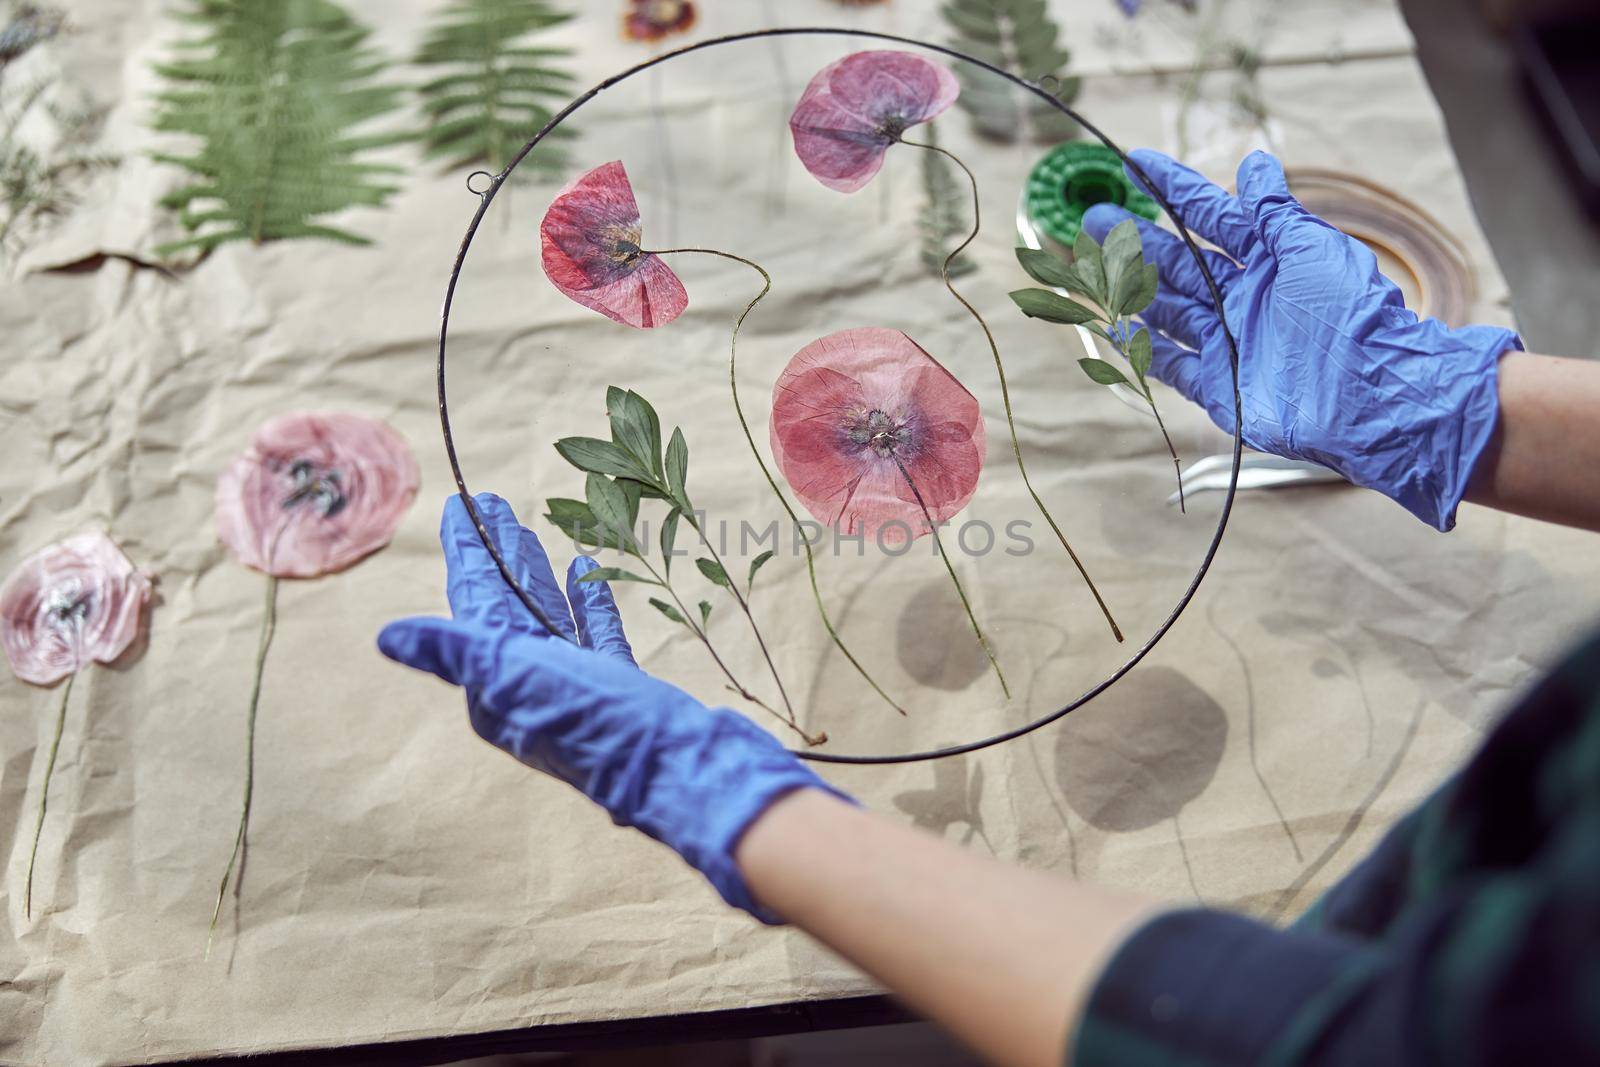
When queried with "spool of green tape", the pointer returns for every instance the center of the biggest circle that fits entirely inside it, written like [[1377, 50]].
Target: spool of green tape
[[1073, 178]]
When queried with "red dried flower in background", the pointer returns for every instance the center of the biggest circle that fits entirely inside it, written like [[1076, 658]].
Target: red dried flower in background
[[651, 20], [855, 109], [590, 243], [77, 602], [862, 416], [314, 493]]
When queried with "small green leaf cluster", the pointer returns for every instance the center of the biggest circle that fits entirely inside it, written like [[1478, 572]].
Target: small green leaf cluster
[[1020, 37], [1120, 285], [623, 472], [944, 219], [1115, 284]]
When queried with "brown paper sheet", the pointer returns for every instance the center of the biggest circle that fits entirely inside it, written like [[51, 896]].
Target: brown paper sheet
[[403, 880]]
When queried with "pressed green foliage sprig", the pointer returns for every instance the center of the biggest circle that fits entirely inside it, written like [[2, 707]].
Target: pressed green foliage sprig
[[943, 219], [278, 96], [493, 89], [623, 472], [1120, 285], [1020, 37]]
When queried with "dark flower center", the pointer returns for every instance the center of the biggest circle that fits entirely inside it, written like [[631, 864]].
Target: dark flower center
[[314, 487], [67, 607], [620, 245], [878, 431], [892, 126]]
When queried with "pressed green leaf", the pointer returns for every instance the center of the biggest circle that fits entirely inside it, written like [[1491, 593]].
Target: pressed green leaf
[[1144, 293], [573, 518], [635, 427], [756, 564], [1052, 307], [669, 611], [1017, 36], [713, 570], [1089, 266], [946, 216], [1140, 351], [705, 612], [595, 456], [1101, 372], [276, 99], [490, 75], [615, 574], [678, 468], [1044, 268], [669, 538], [631, 491], [1123, 254], [609, 503]]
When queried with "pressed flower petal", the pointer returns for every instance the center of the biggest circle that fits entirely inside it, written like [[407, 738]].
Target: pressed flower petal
[[77, 602], [589, 242], [836, 387], [651, 20], [856, 108], [314, 493]]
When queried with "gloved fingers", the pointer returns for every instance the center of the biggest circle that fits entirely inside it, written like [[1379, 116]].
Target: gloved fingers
[[1204, 207], [595, 609], [441, 647], [1177, 267], [475, 585], [1185, 320], [1177, 366], [1281, 223]]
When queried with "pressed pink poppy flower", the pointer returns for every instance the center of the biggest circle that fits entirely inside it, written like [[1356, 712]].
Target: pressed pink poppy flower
[[651, 20], [77, 602], [314, 493], [590, 240], [855, 109], [863, 422]]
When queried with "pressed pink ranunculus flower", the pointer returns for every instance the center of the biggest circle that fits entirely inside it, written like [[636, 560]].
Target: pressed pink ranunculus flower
[[863, 422], [77, 602], [855, 109], [314, 493], [590, 243]]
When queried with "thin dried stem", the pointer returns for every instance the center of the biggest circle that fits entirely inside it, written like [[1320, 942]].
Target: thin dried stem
[[269, 624], [933, 528], [44, 792], [1000, 369], [805, 542], [745, 607]]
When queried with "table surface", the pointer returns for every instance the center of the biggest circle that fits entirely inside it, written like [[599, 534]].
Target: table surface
[[406, 884]]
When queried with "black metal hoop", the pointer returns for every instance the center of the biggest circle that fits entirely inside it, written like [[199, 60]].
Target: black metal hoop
[[486, 197]]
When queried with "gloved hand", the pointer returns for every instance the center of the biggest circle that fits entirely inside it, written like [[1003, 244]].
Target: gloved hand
[[692, 777], [1332, 367]]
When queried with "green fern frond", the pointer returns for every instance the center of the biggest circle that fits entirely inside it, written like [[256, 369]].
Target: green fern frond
[[275, 92], [1017, 36], [945, 219], [494, 91]]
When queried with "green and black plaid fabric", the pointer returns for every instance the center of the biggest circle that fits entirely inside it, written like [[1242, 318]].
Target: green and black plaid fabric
[[1471, 935]]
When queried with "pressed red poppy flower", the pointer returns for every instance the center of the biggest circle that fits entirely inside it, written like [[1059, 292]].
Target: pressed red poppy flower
[[77, 602], [855, 109], [651, 20], [590, 240], [314, 493], [864, 422]]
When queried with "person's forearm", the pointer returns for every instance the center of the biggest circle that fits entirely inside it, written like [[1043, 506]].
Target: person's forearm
[[1002, 957], [1544, 459]]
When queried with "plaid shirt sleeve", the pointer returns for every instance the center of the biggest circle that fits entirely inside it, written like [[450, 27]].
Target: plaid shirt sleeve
[[1471, 936]]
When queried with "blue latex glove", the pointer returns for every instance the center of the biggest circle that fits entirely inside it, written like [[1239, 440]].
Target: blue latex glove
[[1332, 367], [692, 777]]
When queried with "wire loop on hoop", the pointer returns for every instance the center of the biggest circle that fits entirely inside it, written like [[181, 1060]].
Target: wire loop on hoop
[[480, 174], [1038, 89]]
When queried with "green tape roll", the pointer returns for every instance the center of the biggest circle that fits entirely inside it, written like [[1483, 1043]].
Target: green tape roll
[[1070, 180]]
